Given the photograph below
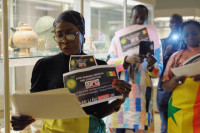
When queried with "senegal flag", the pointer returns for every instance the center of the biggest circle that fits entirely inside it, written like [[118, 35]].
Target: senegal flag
[[90, 124], [110, 73], [184, 108]]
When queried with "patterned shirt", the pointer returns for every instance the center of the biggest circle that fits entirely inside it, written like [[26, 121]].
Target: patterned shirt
[[177, 60], [137, 110]]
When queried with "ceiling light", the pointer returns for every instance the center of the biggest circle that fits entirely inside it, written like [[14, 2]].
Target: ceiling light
[[162, 19], [168, 18], [44, 8], [98, 5], [188, 17], [133, 3], [119, 2]]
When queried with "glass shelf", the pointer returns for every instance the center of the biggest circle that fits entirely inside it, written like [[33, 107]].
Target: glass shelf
[[23, 61], [15, 60]]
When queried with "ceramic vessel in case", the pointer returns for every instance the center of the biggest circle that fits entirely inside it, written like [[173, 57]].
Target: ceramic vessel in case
[[24, 38]]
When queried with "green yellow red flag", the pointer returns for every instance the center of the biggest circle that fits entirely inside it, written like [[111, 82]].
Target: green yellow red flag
[[184, 108]]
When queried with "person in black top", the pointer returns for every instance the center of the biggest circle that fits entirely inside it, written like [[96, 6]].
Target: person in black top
[[48, 72]]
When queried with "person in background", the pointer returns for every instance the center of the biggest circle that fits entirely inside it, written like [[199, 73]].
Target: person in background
[[139, 15], [136, 113], [69, 29], [170, 45], [184, 104]]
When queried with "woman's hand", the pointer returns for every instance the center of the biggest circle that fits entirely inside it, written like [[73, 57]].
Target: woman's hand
[[179, 80], [171, 84], [196, 77], [123, 87], [21, 122], [150, 60], [135, 58]]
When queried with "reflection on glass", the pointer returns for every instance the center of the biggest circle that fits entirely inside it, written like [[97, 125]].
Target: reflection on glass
[[106, 18], [39, 15]]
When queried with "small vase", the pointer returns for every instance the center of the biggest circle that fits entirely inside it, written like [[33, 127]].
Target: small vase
[[24, 38]]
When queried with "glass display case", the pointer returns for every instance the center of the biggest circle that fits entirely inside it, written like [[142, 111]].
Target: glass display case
[[35, 17], [30, 27], [30, 37]]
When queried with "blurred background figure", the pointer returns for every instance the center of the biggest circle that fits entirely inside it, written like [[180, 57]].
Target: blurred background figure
[[170, 45], [90, 44]]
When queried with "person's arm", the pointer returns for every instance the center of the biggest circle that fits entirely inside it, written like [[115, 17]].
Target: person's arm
[[124, 62], [170, 81], [170, 85], [196, 77], [38, 79], [20, 122], [110, 108], [124, 88], [155, 70]]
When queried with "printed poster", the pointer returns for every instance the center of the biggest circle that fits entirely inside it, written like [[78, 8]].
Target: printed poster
[[131, 41], [81, 61], [128, 39], [92, 85], [192, 59], [189, 68]]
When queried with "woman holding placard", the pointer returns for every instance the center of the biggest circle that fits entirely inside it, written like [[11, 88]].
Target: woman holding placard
[[184, 104]]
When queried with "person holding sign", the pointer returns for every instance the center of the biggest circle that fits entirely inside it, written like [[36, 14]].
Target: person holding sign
[[69, 29], [137, 111], [184, 104]]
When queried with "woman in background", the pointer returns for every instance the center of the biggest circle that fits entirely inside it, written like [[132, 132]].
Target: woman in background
[[184, 104]]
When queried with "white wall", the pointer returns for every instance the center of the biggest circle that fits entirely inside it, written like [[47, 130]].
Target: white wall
[[172, 4], [165, 8]]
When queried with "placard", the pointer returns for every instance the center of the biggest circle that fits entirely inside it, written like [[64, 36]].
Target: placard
[[92, 85], [128, 39], [190, 67], [81, 61]]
